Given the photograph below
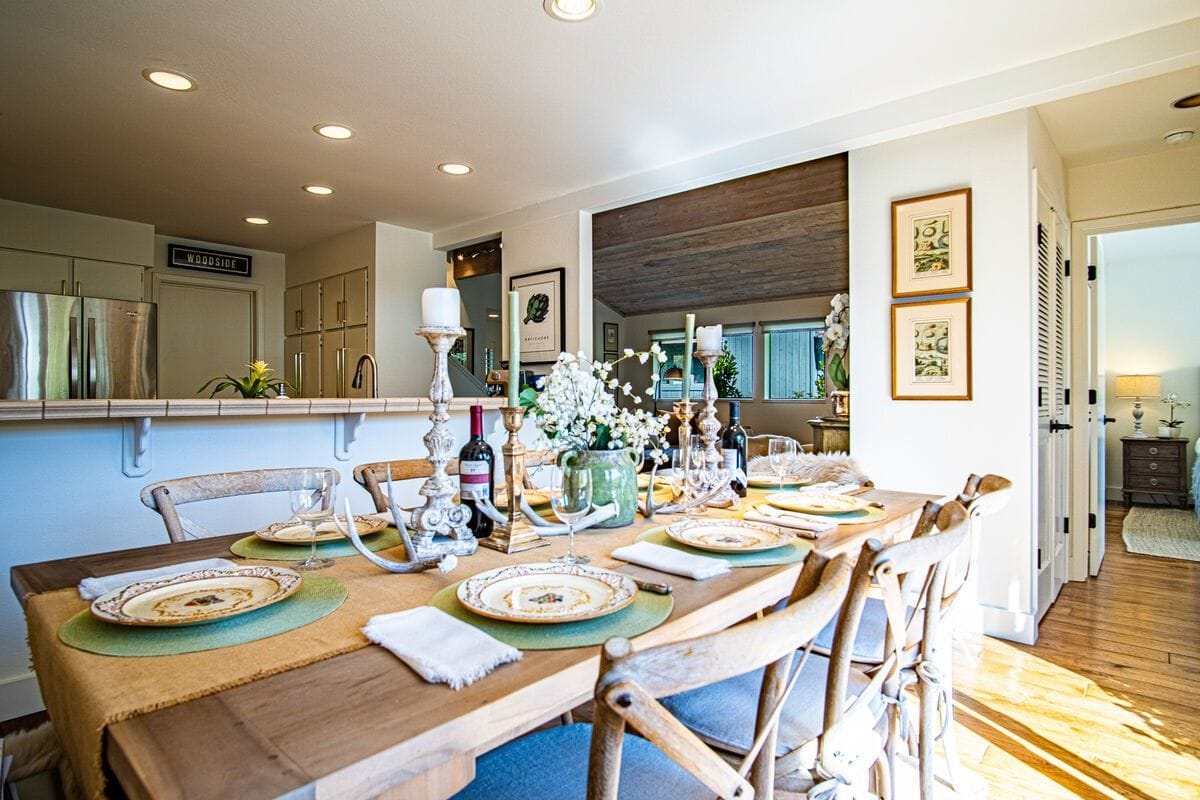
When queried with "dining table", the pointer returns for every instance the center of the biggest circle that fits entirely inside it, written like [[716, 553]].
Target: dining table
[[361, 723]]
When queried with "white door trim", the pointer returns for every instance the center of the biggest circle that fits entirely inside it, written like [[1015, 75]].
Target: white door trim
[[255, 289], [1080, 343]]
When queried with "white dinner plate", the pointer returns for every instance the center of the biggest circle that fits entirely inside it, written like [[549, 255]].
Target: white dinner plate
[[543, 593], [195, 597], [293, 532], [825, 504], [729, 535], [764, 481]]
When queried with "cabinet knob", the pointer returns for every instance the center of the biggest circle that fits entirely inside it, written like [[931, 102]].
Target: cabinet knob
[[1153, 451], [1154, 481], [1153, 465]]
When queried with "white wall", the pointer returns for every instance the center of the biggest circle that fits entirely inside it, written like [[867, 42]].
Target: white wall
[[405, 265], [933, 445], [69, 233]]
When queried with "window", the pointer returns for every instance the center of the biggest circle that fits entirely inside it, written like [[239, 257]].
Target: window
[[733, 375], [794, 360]]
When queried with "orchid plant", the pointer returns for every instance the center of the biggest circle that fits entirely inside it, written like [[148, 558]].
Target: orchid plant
[[837, 342], [575, 406], [1173, 402]]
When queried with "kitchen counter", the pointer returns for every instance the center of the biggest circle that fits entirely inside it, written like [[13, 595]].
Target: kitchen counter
[[24, 410]]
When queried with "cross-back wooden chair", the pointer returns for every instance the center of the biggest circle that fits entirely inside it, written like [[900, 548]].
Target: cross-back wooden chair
[[165, 496], [667, 760], [373, 475], [834, 726]]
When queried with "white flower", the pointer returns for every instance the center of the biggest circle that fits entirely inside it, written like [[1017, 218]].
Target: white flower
[[654, 348], [643, 358], [628, 352]]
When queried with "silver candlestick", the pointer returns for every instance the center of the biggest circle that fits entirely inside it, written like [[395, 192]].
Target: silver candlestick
[[709, 427], [440, 527]]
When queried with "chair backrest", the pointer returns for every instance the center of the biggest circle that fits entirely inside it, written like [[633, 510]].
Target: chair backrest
[[982, 497], [372, 476], [164, 496], [631, 682], [760, 444]]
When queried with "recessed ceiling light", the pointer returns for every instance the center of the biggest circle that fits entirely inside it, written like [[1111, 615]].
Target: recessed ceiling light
[[1181, 136], [169, 79], [331, 130], [257, 220], [571, 10], [454, 169], [1191, 101], [313, 188]]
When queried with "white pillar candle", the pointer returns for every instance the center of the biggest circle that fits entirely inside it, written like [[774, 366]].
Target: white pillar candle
[[440, 308], [708, 338], [514, 348]]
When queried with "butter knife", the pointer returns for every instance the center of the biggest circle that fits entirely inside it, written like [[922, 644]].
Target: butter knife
[[651, 586]]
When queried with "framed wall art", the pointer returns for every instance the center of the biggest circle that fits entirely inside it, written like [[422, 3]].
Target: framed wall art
[[543, 322], [931, 244], [611, 332], [931, 350]]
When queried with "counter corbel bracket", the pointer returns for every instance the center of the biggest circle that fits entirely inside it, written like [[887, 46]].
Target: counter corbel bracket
[[135, 446], [345, 433]]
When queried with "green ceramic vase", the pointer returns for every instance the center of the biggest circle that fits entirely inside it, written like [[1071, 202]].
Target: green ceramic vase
[[614, 477]]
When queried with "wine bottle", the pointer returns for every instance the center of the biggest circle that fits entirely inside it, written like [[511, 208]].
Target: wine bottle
[[477, 475], [733, 448]]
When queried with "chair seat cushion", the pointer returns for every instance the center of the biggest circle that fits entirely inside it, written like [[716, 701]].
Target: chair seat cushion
[[724, 713], [552, 764], [872, 633]]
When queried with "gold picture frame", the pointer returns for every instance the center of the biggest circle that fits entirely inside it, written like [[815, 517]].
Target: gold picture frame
[[931, 350], [931, 244]]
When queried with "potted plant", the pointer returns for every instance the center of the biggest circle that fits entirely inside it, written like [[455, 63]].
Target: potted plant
[[575, 407], [837, 353], [258, 383], [1169, 428]]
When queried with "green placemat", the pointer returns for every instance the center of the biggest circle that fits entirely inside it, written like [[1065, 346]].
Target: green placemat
[[253, 547], [790, 554], [318, 595], [647, 612]]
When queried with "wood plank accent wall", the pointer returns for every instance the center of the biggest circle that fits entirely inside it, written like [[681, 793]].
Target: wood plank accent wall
[[777, 234], [476, 259]]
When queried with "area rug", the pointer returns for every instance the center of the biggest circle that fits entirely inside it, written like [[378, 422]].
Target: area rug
[[1165, 532]]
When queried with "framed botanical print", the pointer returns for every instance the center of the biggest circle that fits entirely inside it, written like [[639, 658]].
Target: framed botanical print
[[931, 244], [542, 300], [610, 356], [931, 350], [610, 335]]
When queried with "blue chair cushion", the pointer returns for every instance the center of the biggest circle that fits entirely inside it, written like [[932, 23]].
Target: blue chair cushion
[[724, 713], [552, 764], [872, 633]]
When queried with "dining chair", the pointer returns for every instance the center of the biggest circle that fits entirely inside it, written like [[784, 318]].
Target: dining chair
[[372, 476], [759, 445], [840, 724], [165, 496], [666, 760]]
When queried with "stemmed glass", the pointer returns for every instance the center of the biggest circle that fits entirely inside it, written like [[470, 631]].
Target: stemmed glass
[[695, 475], [571, 500], [781, 454], [312, 504]]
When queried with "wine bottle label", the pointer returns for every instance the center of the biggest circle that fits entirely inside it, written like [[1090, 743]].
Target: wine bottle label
[[731, 459], [474, 477]]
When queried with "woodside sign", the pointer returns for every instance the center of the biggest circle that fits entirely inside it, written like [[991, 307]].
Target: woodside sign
[[184, 257]]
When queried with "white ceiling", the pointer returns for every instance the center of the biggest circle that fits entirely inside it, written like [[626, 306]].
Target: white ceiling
[[539, 108], [1123, 121]]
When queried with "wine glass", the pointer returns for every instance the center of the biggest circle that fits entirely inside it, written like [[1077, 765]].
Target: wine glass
[[571, 500], [781, 454], [311, 504], [695, 475]]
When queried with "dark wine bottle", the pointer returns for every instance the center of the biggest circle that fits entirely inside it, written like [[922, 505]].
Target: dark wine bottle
[[477, 475], [733, 448]]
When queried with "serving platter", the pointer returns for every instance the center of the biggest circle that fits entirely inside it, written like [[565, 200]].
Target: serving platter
[[196, 597], [761, 480], [824, 504], [729, 535], [294, 532], [544, 593]]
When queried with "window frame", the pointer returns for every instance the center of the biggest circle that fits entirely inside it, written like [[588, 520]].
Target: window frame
[[817, 324], [675, 336]]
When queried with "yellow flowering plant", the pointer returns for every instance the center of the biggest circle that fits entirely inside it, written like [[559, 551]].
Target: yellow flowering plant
[[258, 383]]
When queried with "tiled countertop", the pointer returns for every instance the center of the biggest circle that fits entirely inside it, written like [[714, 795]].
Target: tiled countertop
[[21, 410]]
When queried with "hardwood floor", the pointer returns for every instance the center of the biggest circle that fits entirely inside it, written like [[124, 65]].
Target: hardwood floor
[[1107, 703]]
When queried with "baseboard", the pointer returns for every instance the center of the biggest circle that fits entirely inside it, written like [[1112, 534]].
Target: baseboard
[[19, 695], [1012, 625]]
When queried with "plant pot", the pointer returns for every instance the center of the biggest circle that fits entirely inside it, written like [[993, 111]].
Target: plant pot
[[840, 401], [614, 477], [1168, 432]]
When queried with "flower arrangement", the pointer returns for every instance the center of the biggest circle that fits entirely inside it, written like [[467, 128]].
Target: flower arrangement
[[1173, 402], [575, 406], [837, 342], [257, 384]]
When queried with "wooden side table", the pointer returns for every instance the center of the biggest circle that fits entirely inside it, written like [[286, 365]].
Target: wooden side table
[[1157, 468], [831, 434]]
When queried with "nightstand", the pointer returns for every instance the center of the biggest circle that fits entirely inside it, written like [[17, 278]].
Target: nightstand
[[1155, 467]]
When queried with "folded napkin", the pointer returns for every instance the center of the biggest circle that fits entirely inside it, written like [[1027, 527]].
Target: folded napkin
[[91, 588], [803, 523], [668, 559], [440, 648]]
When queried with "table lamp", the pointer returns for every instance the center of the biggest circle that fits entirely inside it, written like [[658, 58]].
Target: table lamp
[[1137, 387]]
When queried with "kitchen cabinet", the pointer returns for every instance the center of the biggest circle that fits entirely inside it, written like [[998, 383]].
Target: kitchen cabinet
[[302, 309], [344, 300], [22, 271], [25, 271], [302, 364], [340, 351], [107, 279]]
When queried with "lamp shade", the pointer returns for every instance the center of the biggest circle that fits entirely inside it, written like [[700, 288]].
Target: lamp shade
[[1139, 386]]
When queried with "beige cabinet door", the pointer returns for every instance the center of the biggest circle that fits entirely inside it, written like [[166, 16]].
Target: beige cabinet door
[[354, 302], [332, 299], [292, 311], [291, 363], [333, 364], [354, 340], [224, 315], [310, 307], [107, 279], [21, 271], [309, 382]]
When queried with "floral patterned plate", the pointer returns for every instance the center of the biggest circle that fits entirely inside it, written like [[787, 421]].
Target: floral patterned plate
[[729, 535], [293, 532], [812, 503], [541, 593], [195, 597]]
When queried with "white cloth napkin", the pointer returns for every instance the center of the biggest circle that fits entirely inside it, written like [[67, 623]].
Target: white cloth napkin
[[668, 559], [440, 648], [91, 588], [794, 520]]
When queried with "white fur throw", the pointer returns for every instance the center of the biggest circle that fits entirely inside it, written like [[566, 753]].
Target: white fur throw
[[816, 468]]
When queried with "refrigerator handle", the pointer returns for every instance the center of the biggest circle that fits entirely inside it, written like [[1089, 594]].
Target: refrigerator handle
[[73, 358], [90, 347]]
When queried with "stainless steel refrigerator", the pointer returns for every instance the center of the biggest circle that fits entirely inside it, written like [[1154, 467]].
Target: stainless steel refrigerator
[[56, 347]]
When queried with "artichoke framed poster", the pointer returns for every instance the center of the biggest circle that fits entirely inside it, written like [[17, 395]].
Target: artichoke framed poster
[[931, 350], [542, 319], [931, 244]]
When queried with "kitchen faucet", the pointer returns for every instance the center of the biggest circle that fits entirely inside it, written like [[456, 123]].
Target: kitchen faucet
[[356, 383]]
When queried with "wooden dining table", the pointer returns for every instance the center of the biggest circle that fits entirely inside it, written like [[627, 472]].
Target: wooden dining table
[[362, 724]]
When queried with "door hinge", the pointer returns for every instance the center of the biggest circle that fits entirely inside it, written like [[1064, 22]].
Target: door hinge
[[1091, 521], [1067, 268], [1091, 272], [1066, 397], [1066, 524], [1092, 397]]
